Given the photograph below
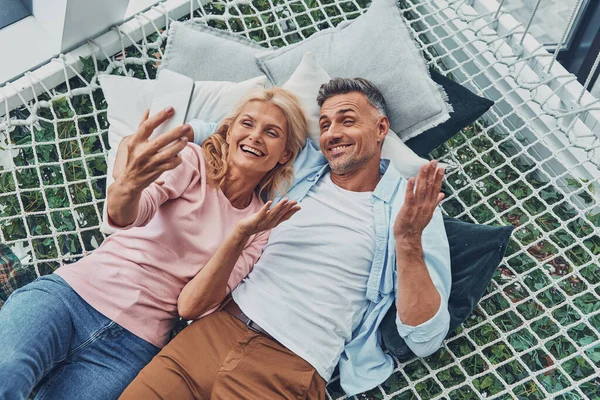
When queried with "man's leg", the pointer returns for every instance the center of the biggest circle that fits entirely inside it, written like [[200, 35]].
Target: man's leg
[[35, 334], [186, 367], [264, 369]]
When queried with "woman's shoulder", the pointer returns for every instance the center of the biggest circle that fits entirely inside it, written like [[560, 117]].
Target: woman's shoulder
[[193, 154]]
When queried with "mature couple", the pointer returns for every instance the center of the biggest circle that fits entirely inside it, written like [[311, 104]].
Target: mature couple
[[356, 238]]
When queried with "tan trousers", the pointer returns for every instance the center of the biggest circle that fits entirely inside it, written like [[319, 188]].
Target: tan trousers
[[218, 357]]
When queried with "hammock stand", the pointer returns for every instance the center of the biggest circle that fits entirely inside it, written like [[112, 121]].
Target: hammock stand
[[532, 161]]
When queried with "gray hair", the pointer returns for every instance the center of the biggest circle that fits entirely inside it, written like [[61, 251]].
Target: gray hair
[[347, 85]]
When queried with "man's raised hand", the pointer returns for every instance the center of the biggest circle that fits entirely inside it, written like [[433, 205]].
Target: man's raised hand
[[140, 161], [420, 202]]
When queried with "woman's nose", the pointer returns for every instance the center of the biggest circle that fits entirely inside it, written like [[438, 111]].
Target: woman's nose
[[255, 136]]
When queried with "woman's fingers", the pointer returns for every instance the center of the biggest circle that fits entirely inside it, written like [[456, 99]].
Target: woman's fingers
[[151, 123], [166, 166], [163, 142], [289, 214], [169, 152], [280, 210], [144, 118]]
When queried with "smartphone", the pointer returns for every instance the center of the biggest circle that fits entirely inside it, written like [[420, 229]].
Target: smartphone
[[175, 90]]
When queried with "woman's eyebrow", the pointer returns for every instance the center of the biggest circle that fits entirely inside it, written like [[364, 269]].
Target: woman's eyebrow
[[275, 126]]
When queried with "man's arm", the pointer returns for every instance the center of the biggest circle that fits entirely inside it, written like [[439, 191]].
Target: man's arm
[[422, 308]]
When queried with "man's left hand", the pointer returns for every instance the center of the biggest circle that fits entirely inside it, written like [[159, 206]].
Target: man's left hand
[[420, 203]]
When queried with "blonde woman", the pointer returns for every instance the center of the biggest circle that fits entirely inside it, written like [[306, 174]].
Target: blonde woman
[[85, 331]]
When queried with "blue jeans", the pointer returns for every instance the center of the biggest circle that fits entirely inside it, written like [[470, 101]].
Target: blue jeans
[[52, 337]]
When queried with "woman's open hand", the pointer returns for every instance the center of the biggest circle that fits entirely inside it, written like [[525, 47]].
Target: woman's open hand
[[266, 218], [141, 161]]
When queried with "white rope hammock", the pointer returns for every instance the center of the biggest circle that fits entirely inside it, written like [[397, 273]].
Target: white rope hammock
[[532, 161]]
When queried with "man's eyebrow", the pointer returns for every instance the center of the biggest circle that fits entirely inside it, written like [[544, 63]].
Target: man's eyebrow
[[343, 111]]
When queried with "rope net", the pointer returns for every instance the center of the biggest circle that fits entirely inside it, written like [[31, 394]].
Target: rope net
[[527, 162]]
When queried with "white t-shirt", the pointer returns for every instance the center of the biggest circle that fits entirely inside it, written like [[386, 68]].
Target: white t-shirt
[[308, 289]]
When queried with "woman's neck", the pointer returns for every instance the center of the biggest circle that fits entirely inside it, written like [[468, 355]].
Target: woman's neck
[[239, 188]]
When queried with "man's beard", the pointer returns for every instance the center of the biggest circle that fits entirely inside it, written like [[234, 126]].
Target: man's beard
[[346, 164]]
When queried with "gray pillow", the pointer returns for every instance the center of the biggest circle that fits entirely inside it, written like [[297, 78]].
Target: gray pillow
[[376, 46], [205, 54]]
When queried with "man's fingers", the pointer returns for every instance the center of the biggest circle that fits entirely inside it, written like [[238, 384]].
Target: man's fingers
[[437, 182], [421, 183], [410, 191], [149, 125], [431, 174], [440, 198]]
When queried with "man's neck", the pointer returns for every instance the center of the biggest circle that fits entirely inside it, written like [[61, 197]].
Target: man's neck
[[363, 179]]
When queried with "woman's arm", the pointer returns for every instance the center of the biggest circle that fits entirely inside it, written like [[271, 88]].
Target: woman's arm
[[209, 287]]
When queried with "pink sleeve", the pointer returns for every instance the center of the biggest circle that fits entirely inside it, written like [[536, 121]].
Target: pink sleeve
[[176, 183], [247, 259], [244, 264]]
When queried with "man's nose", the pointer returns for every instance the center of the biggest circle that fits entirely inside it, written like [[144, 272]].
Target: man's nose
[[334, 132]]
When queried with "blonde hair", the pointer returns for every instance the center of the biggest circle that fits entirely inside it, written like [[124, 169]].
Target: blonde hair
[[216, 148]]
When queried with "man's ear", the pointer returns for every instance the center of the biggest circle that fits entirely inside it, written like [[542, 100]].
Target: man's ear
[[285, 157], [383, 126]]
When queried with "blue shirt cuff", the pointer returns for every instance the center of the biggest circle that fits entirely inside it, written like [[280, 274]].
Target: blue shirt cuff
[[202, 130], [434, 327]]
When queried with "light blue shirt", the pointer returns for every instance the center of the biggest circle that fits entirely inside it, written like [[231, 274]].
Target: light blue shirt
[[363, 364], [289, 292]]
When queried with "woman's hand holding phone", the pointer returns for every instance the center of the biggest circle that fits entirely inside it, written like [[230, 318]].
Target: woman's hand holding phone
[[140, 161]]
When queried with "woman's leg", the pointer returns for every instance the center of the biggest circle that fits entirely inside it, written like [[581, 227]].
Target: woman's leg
[[35, 335], [102, 368]]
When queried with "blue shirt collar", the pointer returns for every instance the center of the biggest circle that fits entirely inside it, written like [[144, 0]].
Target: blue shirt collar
[[388, 184]]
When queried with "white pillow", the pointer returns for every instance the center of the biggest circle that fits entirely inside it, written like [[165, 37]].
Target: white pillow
[[128, 99], [305, 83]]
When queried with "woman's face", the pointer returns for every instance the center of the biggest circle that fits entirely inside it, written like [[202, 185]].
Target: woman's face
[[257, 138]]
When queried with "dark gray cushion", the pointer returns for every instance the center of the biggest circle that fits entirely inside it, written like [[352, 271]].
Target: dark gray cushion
[[467, 108], [475, 253]]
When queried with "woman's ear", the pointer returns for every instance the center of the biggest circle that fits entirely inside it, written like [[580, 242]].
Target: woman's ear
[[285, 157], [228, 135]]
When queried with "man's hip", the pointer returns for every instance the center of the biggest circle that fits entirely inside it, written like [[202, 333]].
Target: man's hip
[[220, 357]]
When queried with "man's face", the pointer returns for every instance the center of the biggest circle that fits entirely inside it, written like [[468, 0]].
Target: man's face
[[351, 132]]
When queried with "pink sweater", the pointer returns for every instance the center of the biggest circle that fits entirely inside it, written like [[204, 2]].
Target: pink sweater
[[136, 275]]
